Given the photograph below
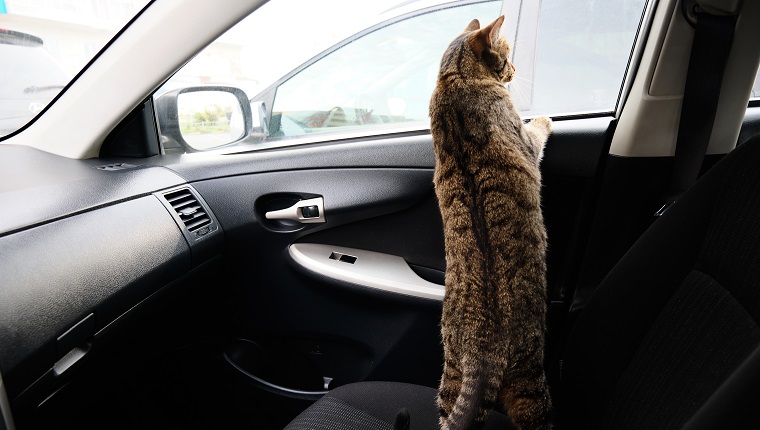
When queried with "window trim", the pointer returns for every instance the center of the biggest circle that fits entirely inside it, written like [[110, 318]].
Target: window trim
[[637, 53]]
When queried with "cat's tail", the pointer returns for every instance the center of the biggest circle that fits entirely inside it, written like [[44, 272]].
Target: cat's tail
[[468, 401]]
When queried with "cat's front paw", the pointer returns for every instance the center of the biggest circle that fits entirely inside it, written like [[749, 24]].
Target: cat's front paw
[[542, 122]]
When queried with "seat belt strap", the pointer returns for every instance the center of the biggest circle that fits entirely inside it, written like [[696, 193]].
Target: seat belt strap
[[709, 54]]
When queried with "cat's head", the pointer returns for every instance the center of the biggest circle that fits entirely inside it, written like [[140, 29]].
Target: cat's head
[[480, 51]]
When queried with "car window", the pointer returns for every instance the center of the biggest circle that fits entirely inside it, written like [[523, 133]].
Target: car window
[[43, 45], [376, 75], [581, 54], [382, 78], [756, 87]]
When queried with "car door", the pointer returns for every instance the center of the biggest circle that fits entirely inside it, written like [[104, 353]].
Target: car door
[[333, 235]]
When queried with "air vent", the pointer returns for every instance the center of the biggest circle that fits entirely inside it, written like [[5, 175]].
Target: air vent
[[190, 211]]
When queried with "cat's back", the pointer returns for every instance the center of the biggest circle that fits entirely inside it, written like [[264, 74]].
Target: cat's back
[[474, 121], [469, 112], [468, 109]]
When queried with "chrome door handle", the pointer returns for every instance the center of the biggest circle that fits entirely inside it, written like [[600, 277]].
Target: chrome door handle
[[308, 211]]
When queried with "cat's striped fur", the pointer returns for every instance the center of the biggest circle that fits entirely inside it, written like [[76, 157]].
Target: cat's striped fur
[[488, 183]]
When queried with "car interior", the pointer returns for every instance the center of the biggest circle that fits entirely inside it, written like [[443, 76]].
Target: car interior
[[300, 286]]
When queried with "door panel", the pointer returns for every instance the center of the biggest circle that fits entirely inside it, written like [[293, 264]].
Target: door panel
[[378, 196]]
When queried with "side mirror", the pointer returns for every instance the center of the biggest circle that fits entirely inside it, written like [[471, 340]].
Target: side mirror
[[202, 118]]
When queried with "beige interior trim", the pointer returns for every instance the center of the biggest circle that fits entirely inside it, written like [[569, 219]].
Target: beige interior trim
[[369, 269], [649, 120]]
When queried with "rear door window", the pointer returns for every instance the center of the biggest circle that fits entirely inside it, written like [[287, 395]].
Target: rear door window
[[579, 58]]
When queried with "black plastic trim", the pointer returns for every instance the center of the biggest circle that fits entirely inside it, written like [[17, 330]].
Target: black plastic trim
[[136, 136], [37, 187], [205, 242], [349, 195], [102, 262], [575, 150]]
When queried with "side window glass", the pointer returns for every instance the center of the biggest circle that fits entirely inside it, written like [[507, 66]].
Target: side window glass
[[383, 78], [756, 87], [571, 57], [577, 60]]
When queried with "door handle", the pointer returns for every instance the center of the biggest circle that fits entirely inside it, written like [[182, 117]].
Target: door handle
[[309, 211]]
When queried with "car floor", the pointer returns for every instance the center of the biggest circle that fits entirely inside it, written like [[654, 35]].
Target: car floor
[[189, 388]]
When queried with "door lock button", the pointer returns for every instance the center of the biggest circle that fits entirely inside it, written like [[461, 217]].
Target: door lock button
[[310, 211]]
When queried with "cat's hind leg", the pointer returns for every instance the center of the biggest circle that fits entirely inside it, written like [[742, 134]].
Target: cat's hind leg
[[448, 390], [525, 398]]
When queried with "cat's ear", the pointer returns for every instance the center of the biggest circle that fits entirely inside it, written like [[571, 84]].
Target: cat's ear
[[473, 25], [493, 31]]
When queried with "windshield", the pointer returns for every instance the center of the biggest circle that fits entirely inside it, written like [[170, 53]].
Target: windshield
[[43, 45]]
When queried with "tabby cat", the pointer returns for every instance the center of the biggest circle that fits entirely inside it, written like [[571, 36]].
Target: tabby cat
[[488, 183]]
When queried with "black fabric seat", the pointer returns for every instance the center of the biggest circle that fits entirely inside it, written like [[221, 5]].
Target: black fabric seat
[[669, 340], [373, 406]]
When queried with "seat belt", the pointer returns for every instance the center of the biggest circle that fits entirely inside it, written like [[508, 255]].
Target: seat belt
[[713, 36]]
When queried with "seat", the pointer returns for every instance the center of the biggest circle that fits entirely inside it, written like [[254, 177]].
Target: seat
[[669, 340], [374, 405]]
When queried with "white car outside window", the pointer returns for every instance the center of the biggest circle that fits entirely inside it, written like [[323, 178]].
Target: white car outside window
[[43, 45]]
